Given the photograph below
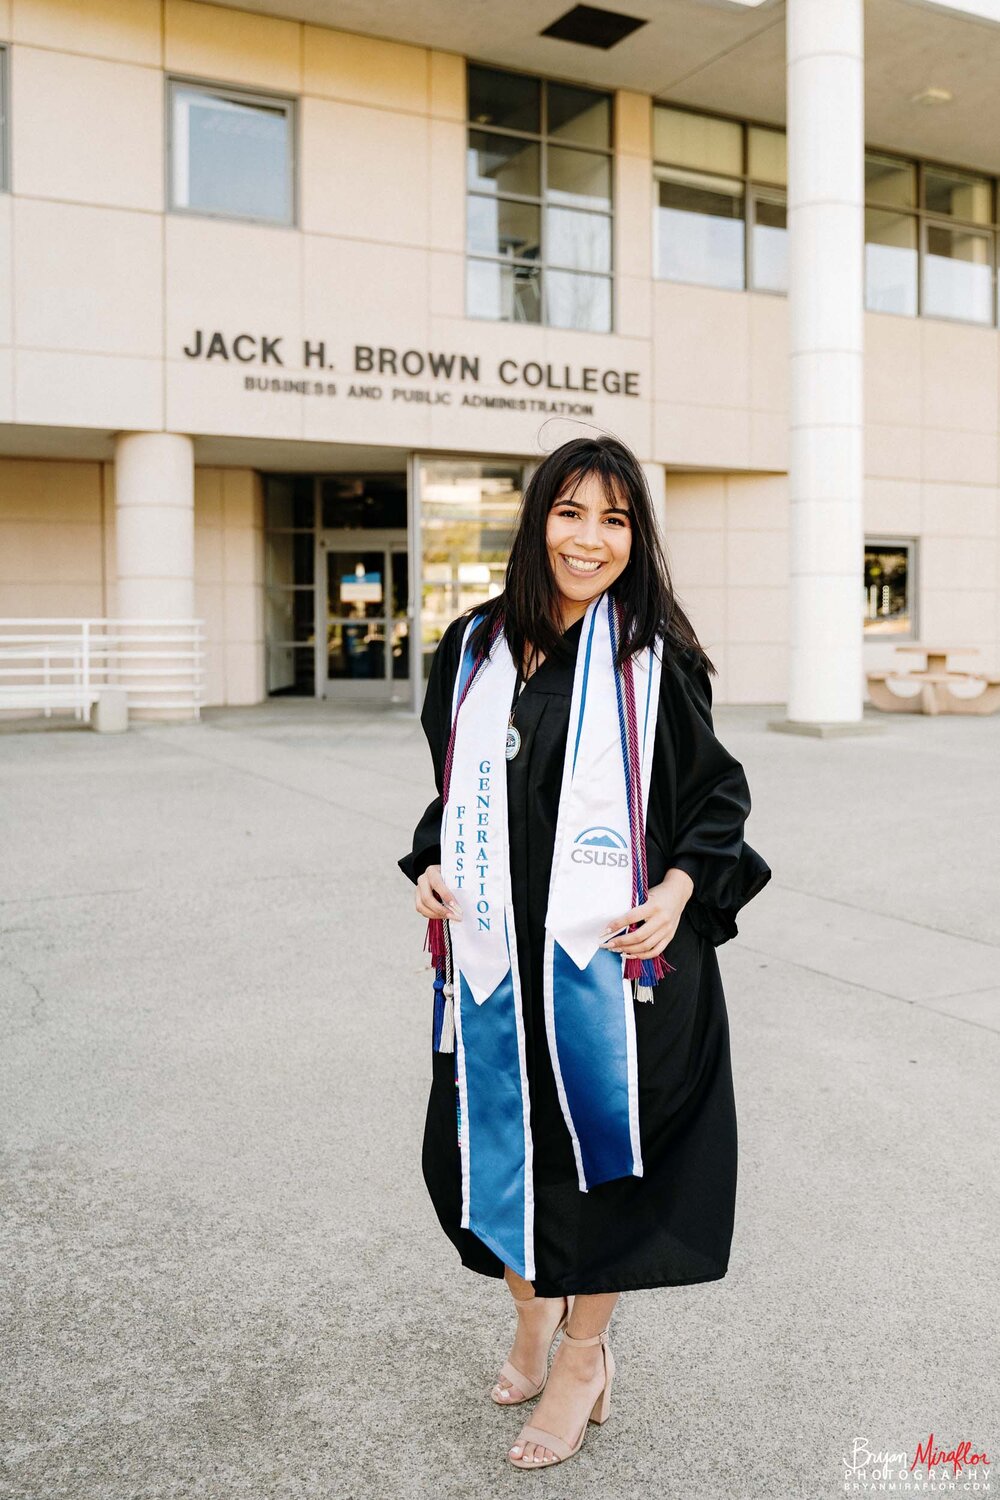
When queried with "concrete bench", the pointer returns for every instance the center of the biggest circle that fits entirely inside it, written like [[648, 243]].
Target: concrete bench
[[932, 693], [106, 707]]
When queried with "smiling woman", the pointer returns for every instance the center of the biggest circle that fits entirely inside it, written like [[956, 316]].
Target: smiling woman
[[589, 538], [580, 1137]]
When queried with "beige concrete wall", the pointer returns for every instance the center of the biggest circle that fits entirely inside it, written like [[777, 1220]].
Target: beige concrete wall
[[104, 289], [53, 539], [727, 546], [100, 289], [229, 574], [57, 558]]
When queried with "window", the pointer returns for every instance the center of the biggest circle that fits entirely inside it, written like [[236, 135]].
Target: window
[[231, 153], [721, 220], [468, 513], [929, 240], [539, 194], [289, 582], [720, 201], [4, 121], [889, 588]]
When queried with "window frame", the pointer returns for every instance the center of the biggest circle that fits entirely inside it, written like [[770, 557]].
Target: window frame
[[239, 95], [911, 546], [752, 188], [924, 216], [543, 140]]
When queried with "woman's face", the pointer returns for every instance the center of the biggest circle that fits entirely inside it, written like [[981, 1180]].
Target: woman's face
[[589, 539]]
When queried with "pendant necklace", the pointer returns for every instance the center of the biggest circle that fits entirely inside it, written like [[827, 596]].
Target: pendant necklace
[[513, 734]]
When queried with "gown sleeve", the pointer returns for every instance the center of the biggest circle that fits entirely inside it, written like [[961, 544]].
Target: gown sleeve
[[435, 718], [702, 803]]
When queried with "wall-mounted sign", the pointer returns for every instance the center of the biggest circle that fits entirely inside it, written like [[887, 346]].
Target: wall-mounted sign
[[361, 588], [534, 385]]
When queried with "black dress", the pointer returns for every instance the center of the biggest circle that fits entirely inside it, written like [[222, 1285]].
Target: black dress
[[673, 1226]]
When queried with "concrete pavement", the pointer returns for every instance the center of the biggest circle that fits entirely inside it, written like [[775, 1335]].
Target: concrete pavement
[[223, 1276]]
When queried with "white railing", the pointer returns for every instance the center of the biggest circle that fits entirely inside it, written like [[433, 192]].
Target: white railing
[[50, 664]]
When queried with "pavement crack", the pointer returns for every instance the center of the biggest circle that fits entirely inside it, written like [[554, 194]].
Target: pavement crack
[[37, 1006]]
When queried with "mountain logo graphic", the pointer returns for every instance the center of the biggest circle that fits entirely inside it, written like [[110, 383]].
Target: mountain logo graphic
[[600, 845]]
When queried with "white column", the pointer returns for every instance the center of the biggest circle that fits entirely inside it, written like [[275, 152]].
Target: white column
[[656, 478], [826, 328], [154, 529]]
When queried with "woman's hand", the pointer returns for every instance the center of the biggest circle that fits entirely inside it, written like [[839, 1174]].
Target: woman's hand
[[434, 899], [660, 915]]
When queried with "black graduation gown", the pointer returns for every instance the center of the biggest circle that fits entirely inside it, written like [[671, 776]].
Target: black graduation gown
[[673, 1226]]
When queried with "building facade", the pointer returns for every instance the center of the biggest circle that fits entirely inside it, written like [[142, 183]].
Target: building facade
[[287, 313]]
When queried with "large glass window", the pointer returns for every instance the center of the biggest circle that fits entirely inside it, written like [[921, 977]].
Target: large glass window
[[231, 153], [720, 201], [721, 219], [889, 587], [539, 194], [929, 240], [468, 509]]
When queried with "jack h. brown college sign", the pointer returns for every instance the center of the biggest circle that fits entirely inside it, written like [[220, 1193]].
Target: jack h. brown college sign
[[553, 388]]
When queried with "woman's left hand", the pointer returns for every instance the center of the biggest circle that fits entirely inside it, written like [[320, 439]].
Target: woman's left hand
[[660, 915]]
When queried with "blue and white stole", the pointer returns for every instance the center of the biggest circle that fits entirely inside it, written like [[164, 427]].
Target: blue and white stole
[[598, 872]]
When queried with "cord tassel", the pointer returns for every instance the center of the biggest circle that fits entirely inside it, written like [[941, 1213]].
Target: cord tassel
[[648, 972], [447, 1041], [443, 1030], [434, 941]]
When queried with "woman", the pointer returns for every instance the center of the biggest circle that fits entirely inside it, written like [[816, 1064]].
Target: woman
[[581, 862]]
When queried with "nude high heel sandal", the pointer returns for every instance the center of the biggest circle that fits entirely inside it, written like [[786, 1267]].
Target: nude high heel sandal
[[599, 1413], [531, 1388]]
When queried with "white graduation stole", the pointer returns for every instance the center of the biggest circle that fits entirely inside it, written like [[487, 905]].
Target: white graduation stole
[[587, 997]]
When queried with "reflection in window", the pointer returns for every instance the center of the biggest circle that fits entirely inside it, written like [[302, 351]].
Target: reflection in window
[[579, 115], [699, 230], [890, 182], [231, 153], [503, 164], [769, 244], [538, 175], [890, 262], [719, 182], [683, 138], [579, 241], [888, 588], [509, 294], [958, 274], [498, 226], [958, 195], [467, 515], [578, 301]]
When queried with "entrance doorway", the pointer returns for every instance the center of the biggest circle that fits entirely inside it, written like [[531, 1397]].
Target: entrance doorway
[[366, 582], [337, 586]]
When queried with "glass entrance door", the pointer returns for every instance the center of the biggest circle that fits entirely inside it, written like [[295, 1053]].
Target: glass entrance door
[[367, 637]]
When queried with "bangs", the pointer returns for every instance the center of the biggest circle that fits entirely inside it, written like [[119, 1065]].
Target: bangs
[[613, 485]]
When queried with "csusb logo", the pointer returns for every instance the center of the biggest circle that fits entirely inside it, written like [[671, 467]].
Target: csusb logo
[[599, 846]]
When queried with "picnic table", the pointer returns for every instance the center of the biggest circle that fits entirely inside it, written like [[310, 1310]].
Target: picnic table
[[934, 684]]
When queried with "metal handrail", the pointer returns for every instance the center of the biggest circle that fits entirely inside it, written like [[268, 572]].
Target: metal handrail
[[63, 662]]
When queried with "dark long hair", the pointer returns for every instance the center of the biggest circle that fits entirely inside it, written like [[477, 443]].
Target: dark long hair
[[529, 604]]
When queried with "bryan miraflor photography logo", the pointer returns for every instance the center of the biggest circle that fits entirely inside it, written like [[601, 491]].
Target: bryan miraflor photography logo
[[935, 1468]]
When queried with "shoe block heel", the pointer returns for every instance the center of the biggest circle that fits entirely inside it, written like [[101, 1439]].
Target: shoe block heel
[[602, 1406]]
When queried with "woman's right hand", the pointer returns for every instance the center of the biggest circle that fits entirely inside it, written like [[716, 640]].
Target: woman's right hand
[[434, 899]]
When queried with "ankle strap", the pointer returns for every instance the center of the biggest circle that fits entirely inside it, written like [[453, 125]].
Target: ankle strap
[[599, 1338]]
